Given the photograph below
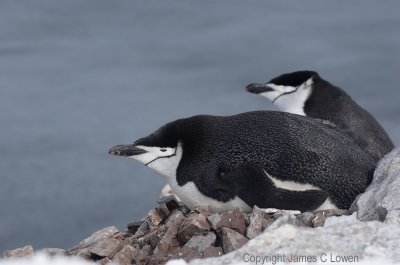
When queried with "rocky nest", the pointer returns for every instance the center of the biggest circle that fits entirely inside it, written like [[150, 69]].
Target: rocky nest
[[172, 231]]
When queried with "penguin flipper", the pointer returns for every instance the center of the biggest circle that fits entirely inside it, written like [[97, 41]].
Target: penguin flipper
[[252, 184]]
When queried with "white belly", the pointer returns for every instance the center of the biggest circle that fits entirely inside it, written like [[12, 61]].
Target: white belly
[[192, 197]]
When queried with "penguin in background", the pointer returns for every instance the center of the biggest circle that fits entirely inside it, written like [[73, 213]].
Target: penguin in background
[[306, 93], [265, 158]]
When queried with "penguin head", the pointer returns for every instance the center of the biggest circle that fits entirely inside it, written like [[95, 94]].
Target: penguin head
[[288, 91], [160, 151]]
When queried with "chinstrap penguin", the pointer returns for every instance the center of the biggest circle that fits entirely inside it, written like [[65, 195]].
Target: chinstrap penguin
[[306, 93], [265, 158]]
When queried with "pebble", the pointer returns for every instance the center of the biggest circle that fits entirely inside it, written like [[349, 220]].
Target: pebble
[[232, 240]]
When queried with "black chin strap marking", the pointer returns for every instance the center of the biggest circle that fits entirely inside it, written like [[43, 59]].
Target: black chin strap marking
[[286, 93], [174, 154]]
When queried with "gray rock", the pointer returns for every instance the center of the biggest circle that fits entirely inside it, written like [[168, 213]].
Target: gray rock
[[306, 219], [201, 242], [152, 238], [125, 256], [279, 212], [104, 261], [232, 240], [267, 222], [288, 218], [321, 216], [205, 210], [343, 220], [143, 229], [133, 227], [213, 252], [357, 239], [157, 215], [231, 219], [256, 223], [382, 197], [143, 256], [393, 216], [169, 242], [107, 247], [319, 220], [53, 251], [170, 202], [23, 252], [195, 224], [83, 253], [103, 233], [188, 254]]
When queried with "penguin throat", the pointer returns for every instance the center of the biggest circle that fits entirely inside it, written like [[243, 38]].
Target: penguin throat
[[167, 166], [294, 100]]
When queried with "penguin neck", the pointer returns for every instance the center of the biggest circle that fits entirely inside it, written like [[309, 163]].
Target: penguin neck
[[294, 102], [167, 167]]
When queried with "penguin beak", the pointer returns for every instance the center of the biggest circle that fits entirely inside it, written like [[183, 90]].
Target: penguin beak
[[258, 88], [126, 150]]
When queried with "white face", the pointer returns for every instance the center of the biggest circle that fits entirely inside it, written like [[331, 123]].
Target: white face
[[288, 98], [164, 160]]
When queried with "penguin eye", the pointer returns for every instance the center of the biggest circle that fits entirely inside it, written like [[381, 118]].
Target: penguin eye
[[163, 150]]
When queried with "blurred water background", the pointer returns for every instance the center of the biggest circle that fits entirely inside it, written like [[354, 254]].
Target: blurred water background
[[77, 77]]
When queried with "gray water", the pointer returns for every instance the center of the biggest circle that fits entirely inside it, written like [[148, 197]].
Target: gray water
[[77, 77]]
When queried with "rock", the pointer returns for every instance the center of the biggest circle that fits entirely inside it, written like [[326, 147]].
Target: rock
[[133, 227], [143, 256], [320, 216], [363, 241], [319, 220], [169, 242], [205, 210], [143, 229], [81, 248], [246, 218], [170, 202], [267, 222], [256, 223], [195, 224], [101, 234], [231, 219], [151, 238], [232, 240], [306, 219], [279, 211], [342, 220], [83, 253], [107, 247], [183, 209], [213, 252], [188, 254], [158, 214], [23, 252], [53, 251], [382, 197], [104, 261], [393, 216], [125, 256], [289, 218], [201, 242]]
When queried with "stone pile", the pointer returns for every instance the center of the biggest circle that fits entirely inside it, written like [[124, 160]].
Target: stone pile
[[172, 231]]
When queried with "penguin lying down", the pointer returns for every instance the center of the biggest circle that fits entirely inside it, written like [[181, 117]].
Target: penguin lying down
[[306, 93], [264, 158]]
